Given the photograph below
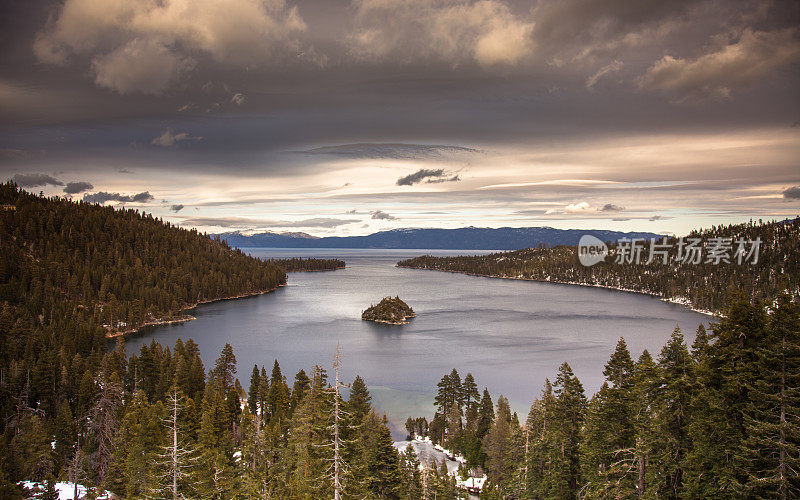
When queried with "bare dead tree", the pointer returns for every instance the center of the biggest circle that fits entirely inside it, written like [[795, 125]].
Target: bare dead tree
[[103, 423], [337, 459], [179, 458]]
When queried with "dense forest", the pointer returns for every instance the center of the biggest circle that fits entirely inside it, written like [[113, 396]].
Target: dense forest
[[700, 283], [92, 270], [719, 420], [391, 310], [298, 264], [154, 425]]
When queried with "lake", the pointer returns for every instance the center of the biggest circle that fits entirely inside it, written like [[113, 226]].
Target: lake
[[509, 334]]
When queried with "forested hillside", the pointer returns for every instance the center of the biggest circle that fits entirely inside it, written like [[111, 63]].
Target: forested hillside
[[721, 420], [77, 266], [73, 273], [702, 285], [299, 264]]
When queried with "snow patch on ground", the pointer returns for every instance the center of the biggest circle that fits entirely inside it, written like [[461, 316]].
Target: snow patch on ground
[[65, 490], [434, 454]]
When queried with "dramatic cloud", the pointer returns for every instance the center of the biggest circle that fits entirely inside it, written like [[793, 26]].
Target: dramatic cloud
[[176, 208], [33, 180], [139, 45], [427, 175], [756, 55], [612, 67], [102, 197], [249, 223], [168, 138], [381, 215], [145, 66], [486, 32], [77, 187], [610, 207], [793, 193], [585, 208], [390, 151]]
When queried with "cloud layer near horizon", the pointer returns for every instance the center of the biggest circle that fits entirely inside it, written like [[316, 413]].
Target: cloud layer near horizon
[[294, 111]]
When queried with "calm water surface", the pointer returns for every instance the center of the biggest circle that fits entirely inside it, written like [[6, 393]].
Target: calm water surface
[[510, 334]]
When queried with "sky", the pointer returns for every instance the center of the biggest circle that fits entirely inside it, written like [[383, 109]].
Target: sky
[[335, 117]]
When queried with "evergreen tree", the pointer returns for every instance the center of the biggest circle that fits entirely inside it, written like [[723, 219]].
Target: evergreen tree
[[718, 426], [485, 414], [563, 479], [769, 455], [608, 455], [136, 446], [299, 389], [498, 445], [379, 474], [278, 398], [645, 384], [310, 436], [252, 394], [673, 398], [225, 367], [360, 400]]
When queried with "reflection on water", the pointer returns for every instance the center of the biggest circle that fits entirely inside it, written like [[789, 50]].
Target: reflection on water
[[510, 334]]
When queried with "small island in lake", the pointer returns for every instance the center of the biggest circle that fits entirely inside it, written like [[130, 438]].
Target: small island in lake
[[390, 310]]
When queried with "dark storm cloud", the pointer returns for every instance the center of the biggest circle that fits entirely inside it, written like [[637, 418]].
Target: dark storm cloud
[[381, 215], [610, 207], [102, 197], [176, 208], [34, 180], [77, 187], [427, 81], [793, 193], [427, 175]]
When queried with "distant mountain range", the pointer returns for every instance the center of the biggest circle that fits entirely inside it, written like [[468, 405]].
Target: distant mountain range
[[467, 238]]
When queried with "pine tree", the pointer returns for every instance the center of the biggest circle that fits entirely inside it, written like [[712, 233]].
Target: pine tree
[[299, 388], [608, 455], [563, 478], [378, 462], [769, 456], [136, 447], [718, 426], [278, 398], [471, 398], [497, 445], [454, 426], [310, 450], [252, 394], [225, 367], [412, 476], [645, 383], [360, 400], [673, 399], [485, 414]]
